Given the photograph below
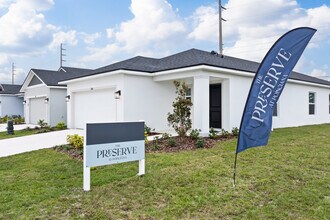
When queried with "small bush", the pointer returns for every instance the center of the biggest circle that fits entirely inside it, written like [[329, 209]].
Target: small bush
[[165, 136], [76, 141], [61, 126], [194, 134], [155, 145], [224, 133], [16, 121], [171, 142], [146, 138], [42, 123], [235, 131], [200, 143], [213, 133]]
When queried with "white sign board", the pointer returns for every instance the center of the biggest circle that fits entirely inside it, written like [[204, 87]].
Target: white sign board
[[111, 143]]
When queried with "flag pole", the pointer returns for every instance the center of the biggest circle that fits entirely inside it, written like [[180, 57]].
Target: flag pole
[[234, 177]]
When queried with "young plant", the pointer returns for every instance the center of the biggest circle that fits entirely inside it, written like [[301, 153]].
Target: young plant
[[224, 133], [171, 142], [42, 123], [75, 141], [200, 143], [194, 134], [212, 133], [235, 131], [180, 118], [61, 126]]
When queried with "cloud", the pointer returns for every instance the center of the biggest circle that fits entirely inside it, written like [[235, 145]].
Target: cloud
[[253, 26], [23, 27], [90, 38], [154, 29], [110, 32], [69, 37]]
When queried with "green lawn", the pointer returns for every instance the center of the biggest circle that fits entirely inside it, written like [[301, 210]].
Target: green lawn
[[288, 179], [18, 133]]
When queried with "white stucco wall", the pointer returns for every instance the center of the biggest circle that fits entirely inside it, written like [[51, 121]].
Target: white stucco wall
[[57, 106], [11, 105], [145, 99], [115, 82], [293, 106]]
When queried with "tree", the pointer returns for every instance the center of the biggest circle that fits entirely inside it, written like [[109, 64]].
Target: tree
[[180, 118]]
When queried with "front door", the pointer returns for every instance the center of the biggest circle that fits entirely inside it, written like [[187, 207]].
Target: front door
[[215, 106]]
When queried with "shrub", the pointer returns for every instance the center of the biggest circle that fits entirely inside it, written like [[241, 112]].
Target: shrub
[[165, 136], [180, 118], [76, 141], [21, 120], [194, 134], [235, 131], [224, 133], [212, 133], [147, 129], [171, 142], [146, 137], [155, 145], [200, 143], [16, 121], [61, 126], [42, 123]]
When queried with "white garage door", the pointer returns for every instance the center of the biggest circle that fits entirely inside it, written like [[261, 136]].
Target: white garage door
[[93, 106], [37, 110]]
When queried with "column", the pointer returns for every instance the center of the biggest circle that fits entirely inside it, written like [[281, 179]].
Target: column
[[201, 106]]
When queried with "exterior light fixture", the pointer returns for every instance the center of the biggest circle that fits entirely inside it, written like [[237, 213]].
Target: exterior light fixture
[[46, 100], [67, 98], [24, 102], [117, 94]]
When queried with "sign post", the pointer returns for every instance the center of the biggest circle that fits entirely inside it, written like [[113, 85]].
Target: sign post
[[112, 143]]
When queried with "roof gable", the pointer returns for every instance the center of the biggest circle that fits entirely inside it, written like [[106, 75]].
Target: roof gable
[[34, 81]]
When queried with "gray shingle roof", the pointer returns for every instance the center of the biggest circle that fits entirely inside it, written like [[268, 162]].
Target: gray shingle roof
[[10, 89], [51, 78], [190, 58]]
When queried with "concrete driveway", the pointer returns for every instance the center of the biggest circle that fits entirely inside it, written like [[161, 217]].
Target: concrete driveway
[[28, 143]]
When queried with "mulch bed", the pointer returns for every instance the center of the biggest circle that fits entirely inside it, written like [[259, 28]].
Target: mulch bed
[[181, 143], [171, 144]]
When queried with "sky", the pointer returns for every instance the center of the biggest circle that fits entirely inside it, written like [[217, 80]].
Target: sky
[[101, 32]]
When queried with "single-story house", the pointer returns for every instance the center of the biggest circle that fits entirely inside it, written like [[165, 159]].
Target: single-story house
[[141, 88], [11, 100], [44, 98]]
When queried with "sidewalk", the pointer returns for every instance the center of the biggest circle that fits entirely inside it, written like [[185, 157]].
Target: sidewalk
[[3, 127], [19, 145]]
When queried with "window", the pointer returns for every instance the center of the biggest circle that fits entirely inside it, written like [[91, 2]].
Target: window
[[188, 94], [311, 101], [275, 110]]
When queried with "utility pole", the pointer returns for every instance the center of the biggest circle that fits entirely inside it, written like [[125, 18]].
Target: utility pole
[[220, 27], [12, 73], [62, 55]]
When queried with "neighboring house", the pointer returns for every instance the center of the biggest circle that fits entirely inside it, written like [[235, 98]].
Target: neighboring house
[[11, 100], [142, 88], [44, 99]]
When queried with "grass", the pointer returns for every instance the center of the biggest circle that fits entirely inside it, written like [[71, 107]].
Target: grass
[[17, 133], [288, 179]]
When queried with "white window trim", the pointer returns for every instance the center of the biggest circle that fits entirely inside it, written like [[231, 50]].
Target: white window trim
[[309, 103]]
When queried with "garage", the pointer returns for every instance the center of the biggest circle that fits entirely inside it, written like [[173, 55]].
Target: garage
[[38, 110], [93, 106]]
